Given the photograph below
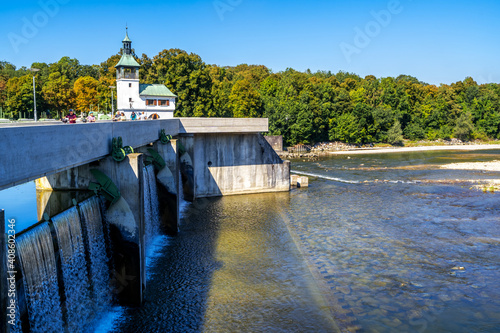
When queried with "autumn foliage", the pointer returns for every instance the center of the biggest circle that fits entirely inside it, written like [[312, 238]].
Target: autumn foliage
[[304, 107]]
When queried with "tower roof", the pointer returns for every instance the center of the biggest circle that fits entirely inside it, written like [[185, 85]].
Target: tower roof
[[127, 60], [158, 90], [126, 39]]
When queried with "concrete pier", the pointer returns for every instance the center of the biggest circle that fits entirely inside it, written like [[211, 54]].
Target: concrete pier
[[226, 164], [168, 185], [186, 165], [126, 223], [303, 181]]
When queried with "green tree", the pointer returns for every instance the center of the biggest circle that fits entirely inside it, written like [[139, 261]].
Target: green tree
[[19, 91], [464, 127], [244, 100], [188, 77], [86, 93], [395, 134], [107, 68], [346, 129], [58, 94]]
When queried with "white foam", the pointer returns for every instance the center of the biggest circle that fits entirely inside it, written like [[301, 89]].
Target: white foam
[[326, 177], [107, 323]]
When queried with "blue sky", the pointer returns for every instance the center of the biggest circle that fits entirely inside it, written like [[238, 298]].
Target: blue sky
[[435, 41]]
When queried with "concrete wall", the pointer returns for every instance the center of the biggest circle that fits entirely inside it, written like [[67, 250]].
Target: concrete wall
[[237, 163], [276, 141], [186, 167], [126, 224], [168, 184], [33, 150]]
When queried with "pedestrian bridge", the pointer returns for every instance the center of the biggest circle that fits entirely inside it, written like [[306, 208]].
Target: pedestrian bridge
[[34, 150]]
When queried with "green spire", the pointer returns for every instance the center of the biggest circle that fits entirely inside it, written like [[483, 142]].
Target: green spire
[[126, 36]]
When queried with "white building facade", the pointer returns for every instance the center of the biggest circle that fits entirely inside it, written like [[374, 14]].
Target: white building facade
[[133, 96]]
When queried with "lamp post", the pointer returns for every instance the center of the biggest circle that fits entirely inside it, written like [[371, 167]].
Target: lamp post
[[112, 104], [34, 70]]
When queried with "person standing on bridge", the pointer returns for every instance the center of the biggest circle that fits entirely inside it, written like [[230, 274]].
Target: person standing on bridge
[[71, 117], [91, 118]]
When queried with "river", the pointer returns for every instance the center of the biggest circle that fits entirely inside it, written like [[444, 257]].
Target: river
[[376, 243]]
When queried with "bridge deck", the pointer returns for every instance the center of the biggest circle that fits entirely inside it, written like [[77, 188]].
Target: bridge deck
[[33, 150]]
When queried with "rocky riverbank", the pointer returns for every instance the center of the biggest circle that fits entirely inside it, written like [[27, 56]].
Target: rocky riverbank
[[327, 148]]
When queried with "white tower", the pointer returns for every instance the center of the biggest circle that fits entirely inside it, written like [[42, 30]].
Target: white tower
[[135, 97]]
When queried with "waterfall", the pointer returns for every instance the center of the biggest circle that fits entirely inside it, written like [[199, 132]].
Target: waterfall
[[99, 269], [151, 205], [38, 265], [183, 204], [74, 268]]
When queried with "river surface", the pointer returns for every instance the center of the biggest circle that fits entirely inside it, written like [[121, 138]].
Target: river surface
[[376, 243]]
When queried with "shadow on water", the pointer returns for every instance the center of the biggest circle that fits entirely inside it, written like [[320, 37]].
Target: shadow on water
[[177, 292], [232, 268]]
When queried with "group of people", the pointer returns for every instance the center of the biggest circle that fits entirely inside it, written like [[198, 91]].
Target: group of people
[[71, 117], [119, 116]]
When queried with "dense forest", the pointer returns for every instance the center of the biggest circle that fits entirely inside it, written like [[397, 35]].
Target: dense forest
[[304, 107]]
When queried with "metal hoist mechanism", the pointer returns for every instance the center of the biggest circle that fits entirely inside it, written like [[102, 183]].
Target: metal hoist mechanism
[[104, 186], [155, 159], [164, 138], [118, 152]]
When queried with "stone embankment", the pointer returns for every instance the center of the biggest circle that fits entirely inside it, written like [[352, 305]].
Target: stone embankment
[[312, 152], [315, 151]]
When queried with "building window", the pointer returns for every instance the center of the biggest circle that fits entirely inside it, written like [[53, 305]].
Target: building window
[[163, 102], [151, 102], [130, 85]]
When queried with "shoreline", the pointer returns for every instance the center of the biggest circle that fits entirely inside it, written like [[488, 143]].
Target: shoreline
[[413, 149]]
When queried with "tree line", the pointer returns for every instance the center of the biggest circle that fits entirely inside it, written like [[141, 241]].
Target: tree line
[[304, 107]]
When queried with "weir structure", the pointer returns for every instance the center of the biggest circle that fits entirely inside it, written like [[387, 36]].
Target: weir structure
[[130, 166]]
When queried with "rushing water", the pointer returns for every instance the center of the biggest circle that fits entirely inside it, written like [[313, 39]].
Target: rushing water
[[99, 261], [77, 302], [379, 243], [151, 206], [38, 264]]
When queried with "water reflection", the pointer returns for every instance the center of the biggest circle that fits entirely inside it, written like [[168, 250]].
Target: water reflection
[[232, 268], [27, 205], [19, 203], [403, 256]]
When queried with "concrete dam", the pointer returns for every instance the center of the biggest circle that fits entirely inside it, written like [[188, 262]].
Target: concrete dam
[[104, 190]]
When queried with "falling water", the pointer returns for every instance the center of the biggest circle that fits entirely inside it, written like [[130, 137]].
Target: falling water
[[183, 204], [38, 264], [151, 205], [74, 269], [99, 270]]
